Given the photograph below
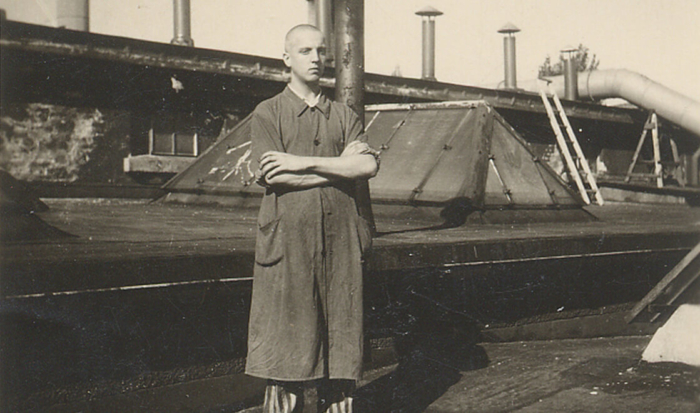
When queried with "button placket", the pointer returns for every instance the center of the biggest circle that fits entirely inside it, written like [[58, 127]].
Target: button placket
[[314, 119]]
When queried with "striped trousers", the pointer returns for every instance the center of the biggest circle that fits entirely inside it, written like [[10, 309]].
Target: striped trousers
[[334, 396]]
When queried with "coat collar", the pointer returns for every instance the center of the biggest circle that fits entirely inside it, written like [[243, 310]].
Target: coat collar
[[300, 106]]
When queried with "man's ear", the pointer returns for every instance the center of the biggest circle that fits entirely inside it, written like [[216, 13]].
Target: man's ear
[[285, 58]]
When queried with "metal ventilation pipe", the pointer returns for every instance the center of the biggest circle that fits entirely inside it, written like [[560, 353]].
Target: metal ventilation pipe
[[324, 22], [429, 14], [181, 20], [570, 73], [639, 90], [73, 14], [510, 72]]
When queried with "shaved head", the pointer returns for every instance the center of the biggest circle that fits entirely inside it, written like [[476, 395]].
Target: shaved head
[[294, 33], [305, 54]]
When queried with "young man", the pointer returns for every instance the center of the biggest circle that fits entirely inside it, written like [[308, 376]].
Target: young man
[[306, 311]]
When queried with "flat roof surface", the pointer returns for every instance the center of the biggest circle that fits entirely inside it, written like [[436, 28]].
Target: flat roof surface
[[137, 244], [118, 231], [584, 375], [110, 227]]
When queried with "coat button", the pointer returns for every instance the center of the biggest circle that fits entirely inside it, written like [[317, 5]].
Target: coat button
[[317, 142]]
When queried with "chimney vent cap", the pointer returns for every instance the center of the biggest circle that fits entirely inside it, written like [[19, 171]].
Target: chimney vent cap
[[429, 11], [509, 28]]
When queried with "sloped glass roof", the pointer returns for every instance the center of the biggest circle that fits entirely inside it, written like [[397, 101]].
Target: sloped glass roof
[[432, 154]]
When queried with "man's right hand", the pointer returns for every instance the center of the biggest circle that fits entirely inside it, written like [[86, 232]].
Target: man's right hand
[[273, 163]]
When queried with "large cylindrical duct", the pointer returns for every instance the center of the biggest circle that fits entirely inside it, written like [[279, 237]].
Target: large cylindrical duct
[[324, 22], [639, 90], [428, 14], [73, 14], [510, 72], [181, 23]]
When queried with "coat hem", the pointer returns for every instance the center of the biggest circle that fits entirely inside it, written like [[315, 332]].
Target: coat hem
[[279, 378]]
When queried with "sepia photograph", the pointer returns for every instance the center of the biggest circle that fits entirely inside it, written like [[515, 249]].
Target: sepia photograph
[[349, 206]]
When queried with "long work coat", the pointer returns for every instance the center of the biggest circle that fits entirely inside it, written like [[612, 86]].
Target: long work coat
[[306, 311]]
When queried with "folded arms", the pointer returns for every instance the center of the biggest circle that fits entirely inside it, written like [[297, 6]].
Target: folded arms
[[358, 161]]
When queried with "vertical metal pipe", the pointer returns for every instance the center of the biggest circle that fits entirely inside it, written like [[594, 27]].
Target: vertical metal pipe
[[349, 42], [510, 77], [571, 78], [428, 48], [324, 22], [349, 76], [694, 172], [73, 14], [181, 26], [428, 14], [311, 12]]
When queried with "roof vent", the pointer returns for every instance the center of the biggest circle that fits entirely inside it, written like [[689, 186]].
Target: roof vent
[[429, 13], [510, 79]]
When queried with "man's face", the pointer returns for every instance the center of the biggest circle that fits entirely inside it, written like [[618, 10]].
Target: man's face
[[305, 54]]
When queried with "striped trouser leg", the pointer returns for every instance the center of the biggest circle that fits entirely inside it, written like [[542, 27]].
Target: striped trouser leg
[[342, 406], [283, 397], [335, 396]]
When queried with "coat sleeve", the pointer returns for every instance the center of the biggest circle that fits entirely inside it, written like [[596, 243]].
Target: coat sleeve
[[354, 132], [264, 134], [365, 217], [353, 129]]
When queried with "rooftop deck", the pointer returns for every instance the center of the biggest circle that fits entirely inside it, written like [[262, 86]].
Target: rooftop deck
[[155, 278], [122, 232], [140, 266], [593, 375]]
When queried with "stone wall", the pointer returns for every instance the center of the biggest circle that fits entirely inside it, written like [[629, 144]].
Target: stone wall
[[52, 143]]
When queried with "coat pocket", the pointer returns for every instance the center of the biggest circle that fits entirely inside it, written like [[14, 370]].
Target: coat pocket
[[269, 243]]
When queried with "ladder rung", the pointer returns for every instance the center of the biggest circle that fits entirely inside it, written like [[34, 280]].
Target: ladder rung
[[640, 175], [664, 163]]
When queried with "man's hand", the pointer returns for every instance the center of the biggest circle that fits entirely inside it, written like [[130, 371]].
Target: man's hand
[[274, 163], [280, 168], [359, 148]]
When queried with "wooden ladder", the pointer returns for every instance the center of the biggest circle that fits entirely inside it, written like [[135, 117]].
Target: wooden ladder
[[680, 286], [576, 164], [652, 124]]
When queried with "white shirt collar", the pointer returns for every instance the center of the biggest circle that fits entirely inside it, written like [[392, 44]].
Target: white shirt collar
[[310, 102]]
